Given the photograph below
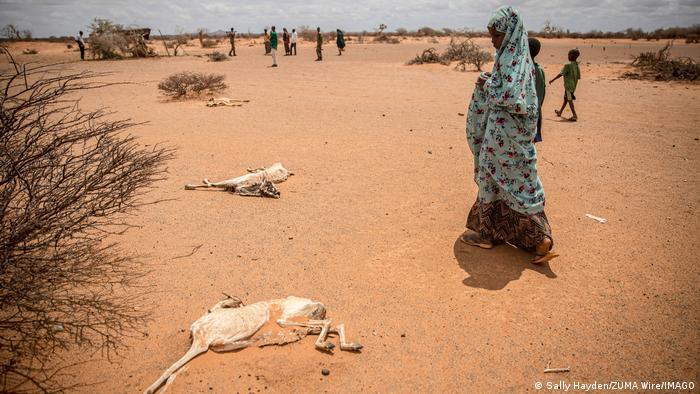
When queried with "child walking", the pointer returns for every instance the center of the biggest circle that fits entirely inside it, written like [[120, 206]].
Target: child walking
[[540, 83], [571, 74]]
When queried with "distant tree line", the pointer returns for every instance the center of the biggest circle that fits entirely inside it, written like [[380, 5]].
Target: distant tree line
[[549, 30]]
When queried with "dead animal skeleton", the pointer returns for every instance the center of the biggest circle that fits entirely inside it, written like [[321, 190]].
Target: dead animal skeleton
[[259, 182], [224, 101], [230, 325]]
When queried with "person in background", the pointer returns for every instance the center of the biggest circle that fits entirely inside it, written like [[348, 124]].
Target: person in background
[[285, 39], [232, 39], [293, 46], [571, 74], [540, 83], [273, 46], [319, 45], [340, 41], [81, 44], [266, 40]]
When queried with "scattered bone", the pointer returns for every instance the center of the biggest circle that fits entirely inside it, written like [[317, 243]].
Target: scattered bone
[[260, 182], [596, 218], [230, 325], [224, 101], [547, 369]]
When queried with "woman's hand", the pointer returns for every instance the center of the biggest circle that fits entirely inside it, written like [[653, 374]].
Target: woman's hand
[[482, 79]]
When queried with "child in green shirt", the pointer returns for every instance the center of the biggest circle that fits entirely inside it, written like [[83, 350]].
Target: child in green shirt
[[540, 83], [571, 74]]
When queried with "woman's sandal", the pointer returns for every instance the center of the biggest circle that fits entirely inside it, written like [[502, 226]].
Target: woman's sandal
[[473, 239], [573, 119], [543, 258], [557, 112], [540, 255]]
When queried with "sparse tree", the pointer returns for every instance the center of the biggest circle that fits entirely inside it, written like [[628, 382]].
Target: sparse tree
[[68, 179], [12, 32]]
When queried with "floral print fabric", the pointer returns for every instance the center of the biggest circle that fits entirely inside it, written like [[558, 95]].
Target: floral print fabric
[[502, 121]]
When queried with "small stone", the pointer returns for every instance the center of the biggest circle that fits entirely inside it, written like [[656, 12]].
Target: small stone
[[430, 152], [403, 335], [325, 372]]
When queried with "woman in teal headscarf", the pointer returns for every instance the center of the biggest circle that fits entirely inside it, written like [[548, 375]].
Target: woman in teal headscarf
[[501, 127]]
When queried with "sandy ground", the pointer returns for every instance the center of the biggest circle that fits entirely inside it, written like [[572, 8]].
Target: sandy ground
[[370, 222]]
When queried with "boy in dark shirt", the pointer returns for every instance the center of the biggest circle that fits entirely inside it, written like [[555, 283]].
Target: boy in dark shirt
[[540, 84]]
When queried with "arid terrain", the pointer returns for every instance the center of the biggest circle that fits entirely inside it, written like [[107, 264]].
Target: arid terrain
[[369, 224]]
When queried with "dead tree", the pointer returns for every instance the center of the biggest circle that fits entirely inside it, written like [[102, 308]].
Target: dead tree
[[68, 179]]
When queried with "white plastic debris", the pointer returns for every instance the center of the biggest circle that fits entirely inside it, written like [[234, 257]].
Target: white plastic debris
[[596, 218]]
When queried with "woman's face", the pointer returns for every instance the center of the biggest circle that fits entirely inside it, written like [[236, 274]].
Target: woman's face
[[496, 37]]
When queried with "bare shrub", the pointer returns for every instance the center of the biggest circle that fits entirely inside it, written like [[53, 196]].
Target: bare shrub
[[216, 56], [429, 55], [385, 39], [108, 46], [661, 67], [464, 52], [307, 33], [179, 41], [30, 51], [68, 180], [181, 84]]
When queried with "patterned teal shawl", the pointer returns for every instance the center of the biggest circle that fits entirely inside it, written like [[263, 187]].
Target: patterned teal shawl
[[512, 81]]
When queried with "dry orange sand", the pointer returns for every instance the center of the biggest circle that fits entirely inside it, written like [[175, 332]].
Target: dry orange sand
[[369, 224]]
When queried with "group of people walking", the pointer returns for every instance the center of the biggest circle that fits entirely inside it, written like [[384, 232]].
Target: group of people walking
[[271, 41]]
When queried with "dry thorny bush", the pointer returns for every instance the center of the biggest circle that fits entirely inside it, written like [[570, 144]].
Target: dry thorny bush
[[181, 84], [68, 180], [661, 67], [216, 56], [464, 52], [109, 40]]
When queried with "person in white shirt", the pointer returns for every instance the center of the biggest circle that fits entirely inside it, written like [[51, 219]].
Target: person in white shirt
[[81, 45], [293, 48]]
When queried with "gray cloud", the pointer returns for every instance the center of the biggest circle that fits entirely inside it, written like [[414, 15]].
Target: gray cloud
[[45, 17]]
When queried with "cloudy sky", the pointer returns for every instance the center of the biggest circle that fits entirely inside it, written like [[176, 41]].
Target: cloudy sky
[[64, 17]]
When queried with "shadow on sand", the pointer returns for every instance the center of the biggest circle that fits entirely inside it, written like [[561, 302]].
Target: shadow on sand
[[493, 269]]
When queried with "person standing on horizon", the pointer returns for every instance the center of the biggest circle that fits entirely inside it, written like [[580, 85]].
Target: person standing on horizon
[[266, 40], [340, 41], [273, 46], [294, 42], [319, 45], [232, 38], [81, 44], [285, 39]]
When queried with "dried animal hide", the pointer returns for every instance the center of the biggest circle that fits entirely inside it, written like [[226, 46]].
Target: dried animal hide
[[260, 182]]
